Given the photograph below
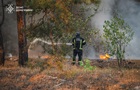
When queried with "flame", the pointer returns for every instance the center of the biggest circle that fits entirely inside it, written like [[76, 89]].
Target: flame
[[104, 57], [45, 57]]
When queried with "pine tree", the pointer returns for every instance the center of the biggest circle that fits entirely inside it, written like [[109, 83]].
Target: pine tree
[[22, 42], [2, 53]]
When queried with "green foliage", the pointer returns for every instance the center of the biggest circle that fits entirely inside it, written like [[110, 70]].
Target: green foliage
[[58, 22], [117, 36], [87, 65]]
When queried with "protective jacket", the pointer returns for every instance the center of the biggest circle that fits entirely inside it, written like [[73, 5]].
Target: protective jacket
[[78, 42]]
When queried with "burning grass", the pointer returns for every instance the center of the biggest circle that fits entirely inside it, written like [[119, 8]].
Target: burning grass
[[104, 57]]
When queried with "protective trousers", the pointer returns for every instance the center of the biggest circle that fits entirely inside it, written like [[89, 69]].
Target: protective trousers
[[75, 53]]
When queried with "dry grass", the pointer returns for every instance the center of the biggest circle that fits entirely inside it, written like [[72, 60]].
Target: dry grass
[[57, 73]]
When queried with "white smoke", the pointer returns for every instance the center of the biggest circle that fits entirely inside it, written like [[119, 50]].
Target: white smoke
[[130, 11], [104, 13]]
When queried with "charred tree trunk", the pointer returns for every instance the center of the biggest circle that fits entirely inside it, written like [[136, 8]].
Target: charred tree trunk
[[23, 53], [2, 53]]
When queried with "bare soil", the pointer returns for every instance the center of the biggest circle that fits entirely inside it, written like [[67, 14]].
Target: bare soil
[[36, 76]]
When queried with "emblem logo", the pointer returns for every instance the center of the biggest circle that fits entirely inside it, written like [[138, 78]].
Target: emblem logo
[[10, 8]]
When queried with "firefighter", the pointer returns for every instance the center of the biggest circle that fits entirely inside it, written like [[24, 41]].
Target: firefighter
[[77, 43]]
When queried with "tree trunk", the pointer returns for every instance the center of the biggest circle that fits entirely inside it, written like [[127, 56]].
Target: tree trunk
[[23, 51], [25, 42], [2, 53], [52, 42], [119, 54]]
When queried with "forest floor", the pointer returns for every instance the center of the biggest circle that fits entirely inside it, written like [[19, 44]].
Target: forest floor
[[48, 74]]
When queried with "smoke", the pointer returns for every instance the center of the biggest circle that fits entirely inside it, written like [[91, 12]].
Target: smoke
[[130, 11], [104, 12]]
